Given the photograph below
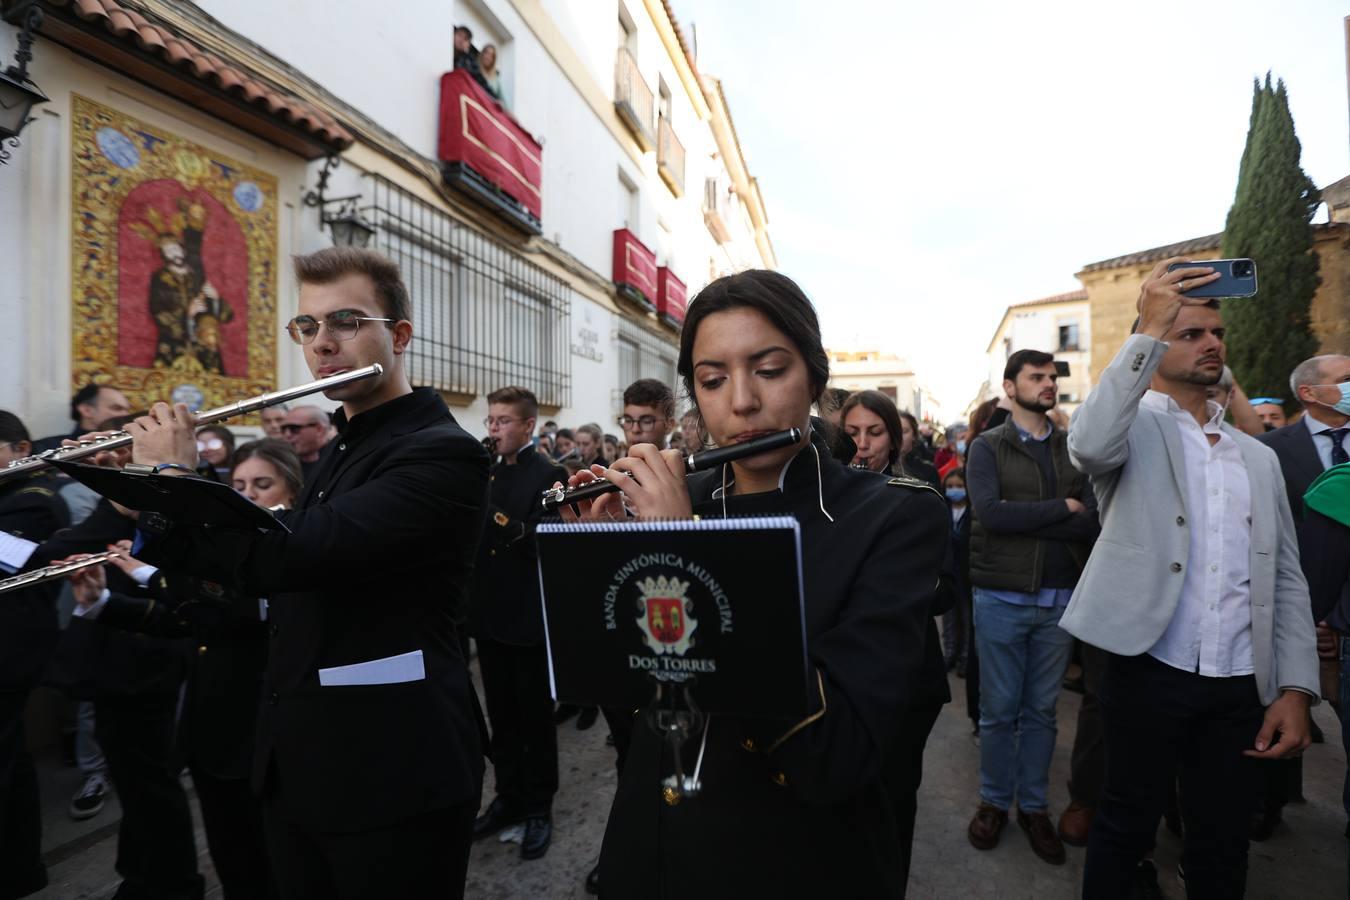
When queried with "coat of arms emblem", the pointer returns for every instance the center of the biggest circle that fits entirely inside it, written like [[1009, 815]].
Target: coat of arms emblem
[[665, 615]]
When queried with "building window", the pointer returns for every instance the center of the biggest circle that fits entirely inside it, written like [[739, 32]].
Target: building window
[[645, 354], [630, 203], [483, 317], [889, 390], [1068, 337]]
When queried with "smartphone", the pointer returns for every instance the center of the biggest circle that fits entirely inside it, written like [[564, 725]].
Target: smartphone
[[1237, 278]]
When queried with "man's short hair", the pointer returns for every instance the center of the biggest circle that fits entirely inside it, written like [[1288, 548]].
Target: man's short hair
[[12, 430], [523, 399], [316, 414], [653, 393], [334, 263], [86, 394], [1308, 372], [1023, 358]]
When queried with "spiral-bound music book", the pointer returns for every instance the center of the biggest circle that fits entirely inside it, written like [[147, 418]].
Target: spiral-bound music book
[[715, 605]]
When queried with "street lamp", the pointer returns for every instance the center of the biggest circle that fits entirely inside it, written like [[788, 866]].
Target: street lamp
[[18, 95], [348, 228]]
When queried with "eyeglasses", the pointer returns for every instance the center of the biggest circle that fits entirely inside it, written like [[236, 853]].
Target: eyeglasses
[[342, 325], [1261, 401], [646, 422], [292, 428], [500, 422], [213, 444]]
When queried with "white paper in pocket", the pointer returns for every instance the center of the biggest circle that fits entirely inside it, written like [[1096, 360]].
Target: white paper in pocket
[[390, 670]]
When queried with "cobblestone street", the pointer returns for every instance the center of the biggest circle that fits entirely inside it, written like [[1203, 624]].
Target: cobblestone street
[[1305, 858]]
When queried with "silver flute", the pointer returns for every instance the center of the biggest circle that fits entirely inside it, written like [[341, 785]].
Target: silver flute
[[122, 439], [53, 572]]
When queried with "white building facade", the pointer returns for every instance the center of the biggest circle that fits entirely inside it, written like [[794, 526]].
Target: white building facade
[[241, 128], [871, 369]]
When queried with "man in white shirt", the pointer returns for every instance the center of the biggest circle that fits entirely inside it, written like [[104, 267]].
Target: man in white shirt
[[1195, 590]]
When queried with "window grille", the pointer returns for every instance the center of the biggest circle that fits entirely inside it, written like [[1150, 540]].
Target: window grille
[[645, 354], [483, 317]]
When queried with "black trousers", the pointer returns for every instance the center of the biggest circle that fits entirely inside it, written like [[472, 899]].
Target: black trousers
[[423, 858], [21, 869], [1087, 765], [1155, 718], [621, 723], [156, 853], [904, 772], [233, 820], [520, 713]]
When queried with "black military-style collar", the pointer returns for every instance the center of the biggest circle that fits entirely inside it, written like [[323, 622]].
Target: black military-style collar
[[412, 407]]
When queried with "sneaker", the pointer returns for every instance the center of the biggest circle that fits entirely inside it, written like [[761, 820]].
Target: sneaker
[[88, 800]]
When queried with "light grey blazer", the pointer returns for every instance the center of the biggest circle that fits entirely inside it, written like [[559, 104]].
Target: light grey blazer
[[1131, 586]]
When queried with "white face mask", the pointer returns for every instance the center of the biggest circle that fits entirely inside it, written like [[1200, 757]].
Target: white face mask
[[1341, 406]]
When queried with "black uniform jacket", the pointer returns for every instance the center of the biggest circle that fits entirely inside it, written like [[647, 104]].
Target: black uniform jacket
[[91, 662], [377, 564], [226, 660], [506, 604], [797, 809], [31, 509]]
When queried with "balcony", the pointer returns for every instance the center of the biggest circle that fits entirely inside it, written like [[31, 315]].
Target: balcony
[[670, 157], [634, 269], [672, 298], [717, 207], [487, 155], [633, 100]]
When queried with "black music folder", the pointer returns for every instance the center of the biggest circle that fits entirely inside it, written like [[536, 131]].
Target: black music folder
[[713, 605], [186, 500]]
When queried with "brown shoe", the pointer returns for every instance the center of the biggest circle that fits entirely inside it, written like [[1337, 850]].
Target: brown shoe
[[986, 827], [1041, 833], [1074, 823]]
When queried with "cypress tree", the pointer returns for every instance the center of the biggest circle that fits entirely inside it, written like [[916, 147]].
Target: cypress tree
[[1271, 222]]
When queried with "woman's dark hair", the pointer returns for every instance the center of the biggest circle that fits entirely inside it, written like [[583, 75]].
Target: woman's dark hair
[[913, 429], [778, 299], [979, 420], [281, 456], [884, 408]]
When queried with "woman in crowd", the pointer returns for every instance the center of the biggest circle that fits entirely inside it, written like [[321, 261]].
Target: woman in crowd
[[492, 79], [614, 448], [911, 452], [224, 677], [871, 420], [215, 446], [792, 808]]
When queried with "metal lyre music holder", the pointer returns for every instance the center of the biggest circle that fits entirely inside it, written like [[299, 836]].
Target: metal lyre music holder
[[674, 715]]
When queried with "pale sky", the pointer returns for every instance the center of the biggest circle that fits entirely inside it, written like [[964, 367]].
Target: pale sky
[[926, 164]]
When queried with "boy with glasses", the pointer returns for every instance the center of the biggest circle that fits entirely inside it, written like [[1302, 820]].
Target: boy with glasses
[[648, 413], [508, 624]]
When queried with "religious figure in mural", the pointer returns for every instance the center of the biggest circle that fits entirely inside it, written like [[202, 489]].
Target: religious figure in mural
[[187, 309]]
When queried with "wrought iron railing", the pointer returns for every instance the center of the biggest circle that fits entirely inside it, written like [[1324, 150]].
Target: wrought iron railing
[[483, 316], [670, 156], [633, 99]]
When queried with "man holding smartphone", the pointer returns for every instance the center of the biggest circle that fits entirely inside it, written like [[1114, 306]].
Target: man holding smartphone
[[1194, 589]]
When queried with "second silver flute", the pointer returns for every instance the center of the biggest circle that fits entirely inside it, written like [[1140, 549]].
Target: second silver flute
[[693, 462], [121, 438], [54, 571]]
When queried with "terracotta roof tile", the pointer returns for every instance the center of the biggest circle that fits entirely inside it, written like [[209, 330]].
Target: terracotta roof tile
[[1066, 297], [1181, 248], [178, 51]]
